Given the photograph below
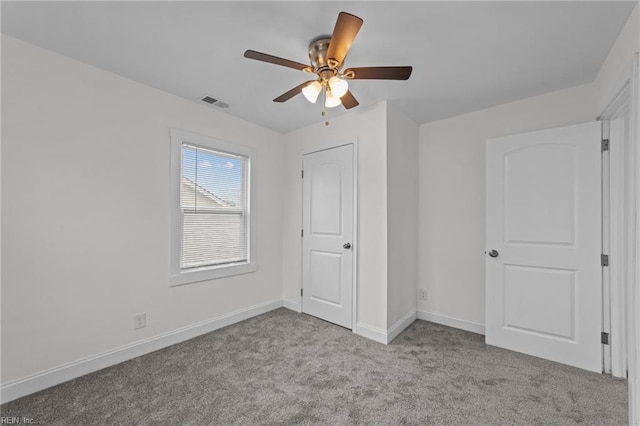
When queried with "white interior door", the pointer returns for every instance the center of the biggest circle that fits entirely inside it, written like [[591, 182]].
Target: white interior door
[[327, 220], [543, 268]]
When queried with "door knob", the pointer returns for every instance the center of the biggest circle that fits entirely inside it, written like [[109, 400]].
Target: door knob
[[346, 246], [493, 253]]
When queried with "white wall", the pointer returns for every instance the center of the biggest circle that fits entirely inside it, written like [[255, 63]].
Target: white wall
[[402, 216], [368, 127], [618, 62], [85, 211], [452, 197]]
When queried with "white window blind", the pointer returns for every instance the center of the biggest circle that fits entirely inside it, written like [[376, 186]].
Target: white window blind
[[214, 204]]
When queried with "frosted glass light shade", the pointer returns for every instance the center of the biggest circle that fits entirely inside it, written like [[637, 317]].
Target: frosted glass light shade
[[311, 91], [338, 86], [331, 100]]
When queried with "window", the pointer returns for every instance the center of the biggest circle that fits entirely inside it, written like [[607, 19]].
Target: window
[[211, 220], [213, 200]]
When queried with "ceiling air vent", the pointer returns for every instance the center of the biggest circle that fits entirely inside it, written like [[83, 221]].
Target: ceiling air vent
[[213, 101]]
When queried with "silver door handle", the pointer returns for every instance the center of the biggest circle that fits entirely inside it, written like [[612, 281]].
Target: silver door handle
[[346, 246], [494, 253]]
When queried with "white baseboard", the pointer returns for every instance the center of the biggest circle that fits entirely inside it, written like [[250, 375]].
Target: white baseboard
[[291, 304], [385, 336], [44, 379], [471, 326], [399, 326], [371, 332]]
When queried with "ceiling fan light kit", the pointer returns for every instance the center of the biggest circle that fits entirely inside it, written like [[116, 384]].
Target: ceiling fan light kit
[[338, 86], [311, 91], [331, 100], [327, 55]]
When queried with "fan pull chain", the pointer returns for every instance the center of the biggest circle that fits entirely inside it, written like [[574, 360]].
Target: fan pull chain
[[324, 114], [324, 108]]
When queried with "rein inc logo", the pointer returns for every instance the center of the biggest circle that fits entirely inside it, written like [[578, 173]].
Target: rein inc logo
[[5, 420]]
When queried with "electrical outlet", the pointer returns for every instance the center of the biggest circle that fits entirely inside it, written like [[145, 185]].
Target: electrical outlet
[[423, 294], [139, 321]]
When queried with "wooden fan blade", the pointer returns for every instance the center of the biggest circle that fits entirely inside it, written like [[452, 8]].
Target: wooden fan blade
[[291, 93], [252, 54], [349, 101], [345, 31], [380, 73]]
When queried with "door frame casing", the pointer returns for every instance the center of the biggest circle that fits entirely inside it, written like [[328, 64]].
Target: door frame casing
[[628, 263], [355, 244], [634, 335], [613, 244]]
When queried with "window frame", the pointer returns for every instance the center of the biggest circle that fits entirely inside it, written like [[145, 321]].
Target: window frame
[[178, 275]]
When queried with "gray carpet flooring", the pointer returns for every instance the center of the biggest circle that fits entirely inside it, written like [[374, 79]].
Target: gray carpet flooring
[[287, 368]]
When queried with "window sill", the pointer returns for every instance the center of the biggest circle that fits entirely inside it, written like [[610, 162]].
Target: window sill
[[198, 275]]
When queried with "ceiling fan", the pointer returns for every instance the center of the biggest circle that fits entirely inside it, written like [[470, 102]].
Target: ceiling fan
[[327, 55]]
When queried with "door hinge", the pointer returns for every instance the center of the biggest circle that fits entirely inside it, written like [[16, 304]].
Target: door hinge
[[605, 145], [301, 292], [302, 233], [604, 338], [604, 259], [302, 174]]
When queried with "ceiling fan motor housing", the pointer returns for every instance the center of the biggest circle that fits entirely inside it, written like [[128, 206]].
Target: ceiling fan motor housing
[[317, 56]]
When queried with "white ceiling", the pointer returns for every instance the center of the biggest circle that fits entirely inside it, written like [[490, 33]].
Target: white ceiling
[[465, 55]]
